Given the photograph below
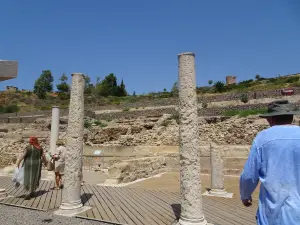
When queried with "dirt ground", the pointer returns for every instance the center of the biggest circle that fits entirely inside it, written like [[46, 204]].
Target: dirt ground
[[171, 182]]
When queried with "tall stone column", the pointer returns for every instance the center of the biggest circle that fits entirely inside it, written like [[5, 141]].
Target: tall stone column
[[217, 173], [71, 199], [54, 128], [190, 180], [54, 136]]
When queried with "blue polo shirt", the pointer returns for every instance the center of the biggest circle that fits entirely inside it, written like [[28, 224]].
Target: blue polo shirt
[[274, 160]]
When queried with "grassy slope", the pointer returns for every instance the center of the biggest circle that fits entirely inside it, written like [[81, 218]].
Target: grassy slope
[[29, 102]]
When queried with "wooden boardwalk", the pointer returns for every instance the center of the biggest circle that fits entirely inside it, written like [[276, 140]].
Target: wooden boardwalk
[[130, 205]]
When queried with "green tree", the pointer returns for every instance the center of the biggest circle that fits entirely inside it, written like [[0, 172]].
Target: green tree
[[244, 98], [219, 86], [257, 76], [174, 90], [108, 87], [210, 82], [88, 87], [43, 84], [63, 86], [134, 94], [122, 89]]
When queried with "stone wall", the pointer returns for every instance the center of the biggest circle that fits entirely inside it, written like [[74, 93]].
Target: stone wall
[[30, 117], [213, 98]]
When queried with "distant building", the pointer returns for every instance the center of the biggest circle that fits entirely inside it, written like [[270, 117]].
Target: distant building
[[8, 70], [230, 80], [11, 88]]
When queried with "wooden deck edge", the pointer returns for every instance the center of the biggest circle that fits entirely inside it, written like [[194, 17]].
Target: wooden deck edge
[[98, 220], [21, 206]]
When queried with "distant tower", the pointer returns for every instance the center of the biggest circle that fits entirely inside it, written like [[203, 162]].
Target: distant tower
[[230, 80]]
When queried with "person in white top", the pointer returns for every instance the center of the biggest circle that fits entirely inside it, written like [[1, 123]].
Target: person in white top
[[59, 159]]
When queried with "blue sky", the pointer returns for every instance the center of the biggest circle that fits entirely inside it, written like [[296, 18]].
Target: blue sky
[[139, 40]]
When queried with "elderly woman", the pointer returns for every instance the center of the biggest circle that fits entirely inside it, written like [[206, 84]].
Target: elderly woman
[[33, 156], [59, 158]]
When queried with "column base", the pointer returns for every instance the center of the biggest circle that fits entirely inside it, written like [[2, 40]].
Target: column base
[[71, 209], [218, 193], [185, 221], [3, 194]]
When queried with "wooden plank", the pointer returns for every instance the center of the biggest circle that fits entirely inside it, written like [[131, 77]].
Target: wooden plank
[[84, 199], [144, 200], [53, 197], [125, 208], [232, 207], [115, 211], [15, 193], [29, 203], [158, 210], [37, 199], [235, 219], [163, 203], [58, 199], [4, 183], [115, 202], [101, 201], [97, 211], [44, 196], [137, 209]]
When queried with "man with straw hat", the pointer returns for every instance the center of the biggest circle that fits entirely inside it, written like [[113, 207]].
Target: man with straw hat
[[274, 160]]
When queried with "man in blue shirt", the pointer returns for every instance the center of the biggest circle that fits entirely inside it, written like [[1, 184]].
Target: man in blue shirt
[[274, 160]]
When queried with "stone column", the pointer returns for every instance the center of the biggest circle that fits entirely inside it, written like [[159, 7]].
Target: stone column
[[54, 136], [54, 128], [71, 199], [190, 181], [217, 173]]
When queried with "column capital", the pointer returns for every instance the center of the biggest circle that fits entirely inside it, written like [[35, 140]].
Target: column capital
[[187, 53], [77, 74]]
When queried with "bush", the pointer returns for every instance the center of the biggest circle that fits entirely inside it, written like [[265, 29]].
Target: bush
[[244, 98], [99, 123], [166, 122], [87, 124], [244, 113], [219, 86], [204, 105], [175, 116], [126, 109], [63, 96], [9, 109]]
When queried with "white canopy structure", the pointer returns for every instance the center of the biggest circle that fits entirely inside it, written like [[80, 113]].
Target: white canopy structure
[[8, 69]]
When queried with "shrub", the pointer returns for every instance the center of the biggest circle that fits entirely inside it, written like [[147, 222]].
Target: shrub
[[11, 109], [126, 109], [166, 122], [244, 113], [63, 96], [244, 98], [219, 86], [87, 124], [99, 123], [204, 105], [175, 116]]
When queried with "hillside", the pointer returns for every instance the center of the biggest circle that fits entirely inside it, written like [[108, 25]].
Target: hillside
[[26, 101]]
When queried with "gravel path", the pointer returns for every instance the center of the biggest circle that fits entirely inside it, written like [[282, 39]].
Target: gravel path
[[15, 216]]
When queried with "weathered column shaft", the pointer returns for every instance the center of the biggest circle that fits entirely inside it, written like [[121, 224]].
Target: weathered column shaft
[[190, 181], [73, 165], [54, 129], [217, 174]]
